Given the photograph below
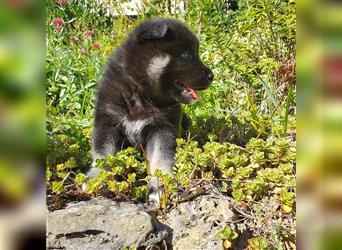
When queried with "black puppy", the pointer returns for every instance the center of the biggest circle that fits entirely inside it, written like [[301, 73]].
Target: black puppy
[[139, 97]]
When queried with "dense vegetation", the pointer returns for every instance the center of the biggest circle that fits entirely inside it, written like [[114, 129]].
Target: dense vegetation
[[242, 140]]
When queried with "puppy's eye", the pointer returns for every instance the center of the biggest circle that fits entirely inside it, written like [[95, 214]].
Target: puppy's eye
[[186, 56]]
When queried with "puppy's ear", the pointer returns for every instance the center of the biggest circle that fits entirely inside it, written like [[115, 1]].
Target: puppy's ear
[[154, 31]]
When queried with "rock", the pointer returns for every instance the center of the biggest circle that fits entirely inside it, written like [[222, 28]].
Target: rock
[[105, 224], [195, 223], [102, 224]]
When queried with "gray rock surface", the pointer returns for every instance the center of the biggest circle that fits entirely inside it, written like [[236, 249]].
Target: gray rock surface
[[102, 224], [105, 224], [195, 223]]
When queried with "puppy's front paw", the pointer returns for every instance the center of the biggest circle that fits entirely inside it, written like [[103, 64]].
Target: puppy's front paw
[[155, 195], [92, 173], [156, 190]]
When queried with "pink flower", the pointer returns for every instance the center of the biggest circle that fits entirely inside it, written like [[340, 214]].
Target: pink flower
[[96, 45], [73, 39], [62, 2], [89, 33], [58, 21]]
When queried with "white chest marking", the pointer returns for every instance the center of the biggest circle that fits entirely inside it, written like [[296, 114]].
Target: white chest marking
[[135, 127], [157, 65]]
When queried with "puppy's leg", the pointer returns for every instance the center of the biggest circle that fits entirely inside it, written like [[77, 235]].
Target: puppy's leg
[[107, 140], [160, 150]]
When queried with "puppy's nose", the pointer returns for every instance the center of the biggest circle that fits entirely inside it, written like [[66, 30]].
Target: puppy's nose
[[210, 76]]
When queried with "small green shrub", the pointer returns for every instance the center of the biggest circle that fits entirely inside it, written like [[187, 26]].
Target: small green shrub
[[258, 243], [227, 235]]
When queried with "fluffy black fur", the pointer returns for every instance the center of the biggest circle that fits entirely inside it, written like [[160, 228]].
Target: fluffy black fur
[[139, 96]]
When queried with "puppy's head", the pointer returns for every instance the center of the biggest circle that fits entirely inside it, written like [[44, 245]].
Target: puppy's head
[[173, 64]]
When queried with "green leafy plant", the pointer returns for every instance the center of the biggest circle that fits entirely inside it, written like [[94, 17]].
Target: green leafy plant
[[258, 243], [227, 235]]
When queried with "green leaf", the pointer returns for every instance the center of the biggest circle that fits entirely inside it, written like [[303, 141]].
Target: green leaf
[[286, 208], [258, 243], [80, 178], [57, 187], [227, 234]]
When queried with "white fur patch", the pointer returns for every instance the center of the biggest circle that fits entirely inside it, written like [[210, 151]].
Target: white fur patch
[[157, 65], [135, 127], [157, 158]]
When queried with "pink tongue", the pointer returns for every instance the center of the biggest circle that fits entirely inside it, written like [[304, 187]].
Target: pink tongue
[[192, 92]]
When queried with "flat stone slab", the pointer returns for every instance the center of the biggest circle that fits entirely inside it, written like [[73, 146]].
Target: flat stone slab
[[102, 224]]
